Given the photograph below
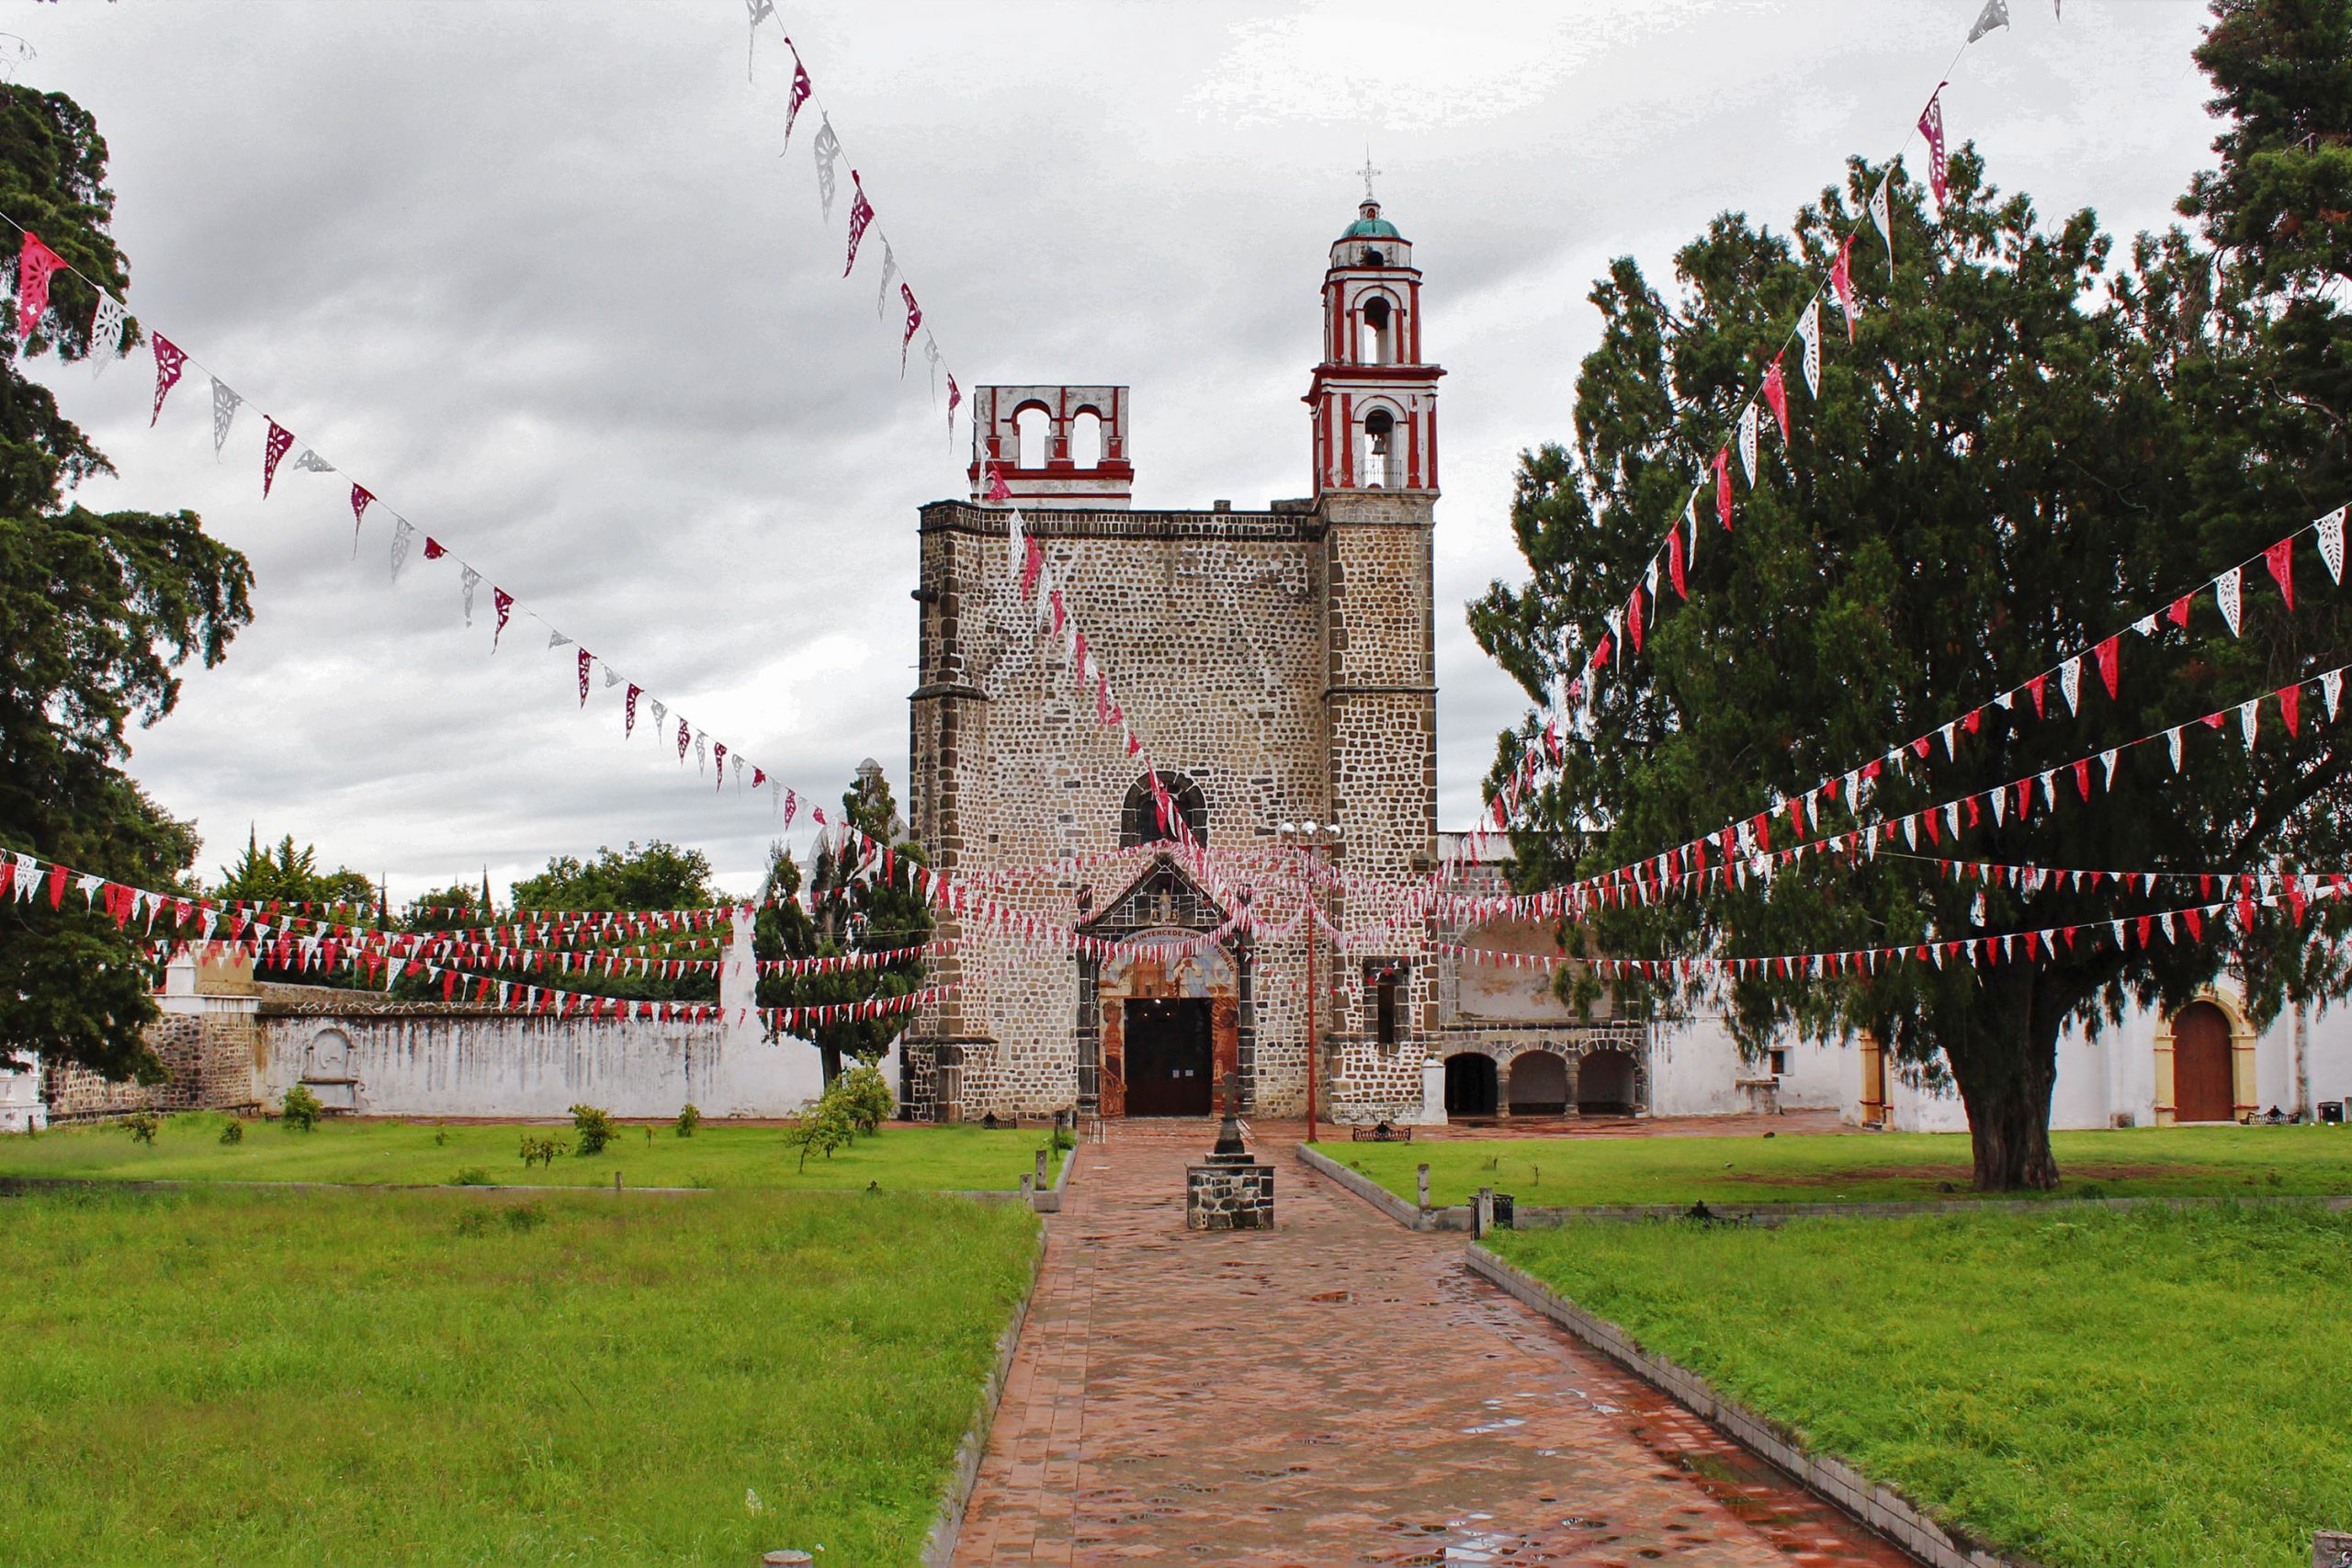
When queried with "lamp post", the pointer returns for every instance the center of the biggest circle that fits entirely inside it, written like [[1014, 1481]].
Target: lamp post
[[1317, 839]]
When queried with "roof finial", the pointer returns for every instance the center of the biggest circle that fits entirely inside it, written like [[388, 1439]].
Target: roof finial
[[1368, 170]]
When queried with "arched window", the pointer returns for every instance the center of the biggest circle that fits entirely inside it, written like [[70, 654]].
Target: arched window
[[1380, 465], [1141, 821], [1034, 427], [1374, 347], [1086, 440]]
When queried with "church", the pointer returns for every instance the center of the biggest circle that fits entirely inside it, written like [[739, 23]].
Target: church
[[1292, 723]]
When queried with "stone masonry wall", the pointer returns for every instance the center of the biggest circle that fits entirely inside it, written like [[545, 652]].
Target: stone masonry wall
[[208, 1064]]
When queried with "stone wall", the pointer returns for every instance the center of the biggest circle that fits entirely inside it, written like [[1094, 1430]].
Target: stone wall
[[208, 1063], [402, 1059]]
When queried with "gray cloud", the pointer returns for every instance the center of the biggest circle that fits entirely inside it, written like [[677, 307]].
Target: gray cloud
[[536, 275]]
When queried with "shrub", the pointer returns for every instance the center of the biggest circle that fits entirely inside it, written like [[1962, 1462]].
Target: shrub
[[234, 1132], [541, 1151], [821, 1129], [142, 1127], [300, 1110], [472, 1175], [441, 1138], [689, 1118], [865, 1096], [597, 1128], [525, 1217]]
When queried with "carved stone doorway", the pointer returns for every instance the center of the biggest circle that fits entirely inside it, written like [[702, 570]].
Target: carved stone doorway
[[1168, 1060]]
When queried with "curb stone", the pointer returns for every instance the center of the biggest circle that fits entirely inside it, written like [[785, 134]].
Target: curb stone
[[947, 1522], [1458, 1218], [1878, 1507]]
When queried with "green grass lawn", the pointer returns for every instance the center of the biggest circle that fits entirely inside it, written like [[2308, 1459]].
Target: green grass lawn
[[2151, 1387], [255, 1377], [1855, 1167], [189, 1148]]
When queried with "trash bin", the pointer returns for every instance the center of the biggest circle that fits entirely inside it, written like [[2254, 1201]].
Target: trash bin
[[1504, 1209], [2332, 1111]]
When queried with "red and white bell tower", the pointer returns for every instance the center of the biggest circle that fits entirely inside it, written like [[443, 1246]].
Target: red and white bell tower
[[1375, 400]]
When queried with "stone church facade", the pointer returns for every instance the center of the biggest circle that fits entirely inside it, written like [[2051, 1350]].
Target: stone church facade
[[1280, 663]]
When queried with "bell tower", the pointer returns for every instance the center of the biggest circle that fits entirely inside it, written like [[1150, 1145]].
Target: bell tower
[[1375, 402]]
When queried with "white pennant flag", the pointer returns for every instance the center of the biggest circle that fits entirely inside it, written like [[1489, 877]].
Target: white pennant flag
[[2226, 589], [401, 529], [2050, 790], [105, 333], [224, 414], [1015, 554], [2250, 720], [1809, 329], [1649, 579], [2145, 626], [2172, 740], [310, 462], [1691, 516], [1950, 733], [2070, 680], [828, 152], [2331, 686], [2331, 541], [1885, 219], [556, 639], [2165, 921], [660, 712], [889, 271], [470, 579], [1747, 442], [2110, 756], [1994, 15]]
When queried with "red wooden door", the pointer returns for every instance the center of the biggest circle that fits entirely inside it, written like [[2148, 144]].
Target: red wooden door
[[2200, 1064]]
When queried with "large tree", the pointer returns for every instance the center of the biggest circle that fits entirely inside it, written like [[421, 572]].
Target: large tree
[[1997, 471], [853, 903], [98, 612]]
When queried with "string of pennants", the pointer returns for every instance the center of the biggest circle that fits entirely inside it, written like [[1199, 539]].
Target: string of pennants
[[109, 323], [863, 220], [1745, 848], [1676, 551], [2070, 675], [2125, 932]]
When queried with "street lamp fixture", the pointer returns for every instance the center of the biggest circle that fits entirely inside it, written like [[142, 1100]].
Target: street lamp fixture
[[1318, 839]]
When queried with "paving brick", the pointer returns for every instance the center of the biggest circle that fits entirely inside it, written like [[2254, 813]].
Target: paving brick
[[1336, 1391]]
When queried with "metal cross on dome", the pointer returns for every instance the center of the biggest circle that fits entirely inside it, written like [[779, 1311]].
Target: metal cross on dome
[[1368, 172]]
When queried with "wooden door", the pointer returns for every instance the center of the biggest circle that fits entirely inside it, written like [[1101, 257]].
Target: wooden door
[[2201, 1090], [1168, 1058]]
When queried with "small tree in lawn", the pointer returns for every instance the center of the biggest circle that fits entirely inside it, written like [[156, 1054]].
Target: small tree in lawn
[[857, 899]]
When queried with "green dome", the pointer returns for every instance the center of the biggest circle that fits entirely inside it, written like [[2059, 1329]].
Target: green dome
[[1370, 229]]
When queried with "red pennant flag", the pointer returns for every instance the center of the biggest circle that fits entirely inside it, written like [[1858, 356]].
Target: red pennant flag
[[434, 548], [586, 658], [359, 500], [1674, 562], [2083, 776], [34, 263], [2106, 653], [861, 213], [2290, 707], [719, 760], [2280, 558], [2195, 920], [2038, 686], [914, 322], [498, 596], [170, 360], [1722, 487], [1931, 126], [1033, 561], [273, 447], [2178, 614], [997, 488], [1776, 392], [56, 886], [1841, 278], [1633, 619]]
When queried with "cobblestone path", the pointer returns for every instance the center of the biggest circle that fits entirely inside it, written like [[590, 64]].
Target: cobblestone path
[[1336, 1392]]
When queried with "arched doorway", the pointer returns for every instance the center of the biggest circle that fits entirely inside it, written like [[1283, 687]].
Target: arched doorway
[[1539, 1084], [2201, 1090], [1605, 1084], [1470, 1085]]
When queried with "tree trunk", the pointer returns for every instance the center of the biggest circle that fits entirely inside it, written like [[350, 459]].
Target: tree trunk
[[2005, 1074], [829, 1057]]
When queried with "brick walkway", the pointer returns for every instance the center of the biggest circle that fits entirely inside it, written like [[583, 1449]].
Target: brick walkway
[[1337, 1390]]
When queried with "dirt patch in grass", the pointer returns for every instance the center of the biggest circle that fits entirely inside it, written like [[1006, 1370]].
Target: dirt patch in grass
[[2074, 1174]]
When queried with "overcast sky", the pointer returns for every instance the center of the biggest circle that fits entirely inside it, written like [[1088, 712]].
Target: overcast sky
[[534, 274]]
